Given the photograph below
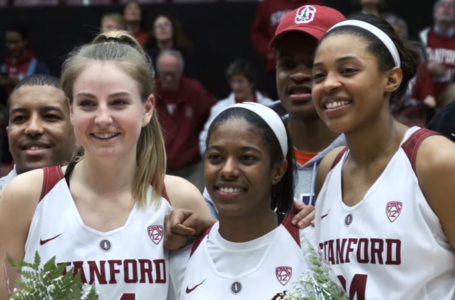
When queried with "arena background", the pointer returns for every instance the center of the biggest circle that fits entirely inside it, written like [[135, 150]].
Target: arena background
[[220, 32]]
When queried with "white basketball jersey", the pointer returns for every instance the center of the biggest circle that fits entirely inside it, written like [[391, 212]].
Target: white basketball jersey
[[281, 263], [128, 263], [391, 244]]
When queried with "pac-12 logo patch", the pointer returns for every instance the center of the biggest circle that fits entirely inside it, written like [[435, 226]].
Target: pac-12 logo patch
[[305, 14], [283, 274], [393, 210], [155, 233]]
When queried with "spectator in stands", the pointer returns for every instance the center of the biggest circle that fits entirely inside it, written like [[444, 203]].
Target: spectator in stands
[[444, 121], [439, 41], [40, 132], [112, 21], [268, 16], [134, 21], [21, 60], [412, 112], [371, 7], [420, 87], [183, 105], [167, 33], [242, 79]]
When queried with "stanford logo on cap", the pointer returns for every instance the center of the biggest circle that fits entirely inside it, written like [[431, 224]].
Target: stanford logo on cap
[[305, 14]]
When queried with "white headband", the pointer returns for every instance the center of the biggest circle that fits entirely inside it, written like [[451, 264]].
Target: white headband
[[271, 118], [385, 39]]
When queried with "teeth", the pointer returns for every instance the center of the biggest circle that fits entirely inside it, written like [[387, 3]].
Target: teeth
[[230, 190], [336, 104], [36, 148], [104, 135]]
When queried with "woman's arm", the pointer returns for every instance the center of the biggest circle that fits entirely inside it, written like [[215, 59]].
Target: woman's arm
[[17, 207], [435, 167], [184, 195], [191, 216]]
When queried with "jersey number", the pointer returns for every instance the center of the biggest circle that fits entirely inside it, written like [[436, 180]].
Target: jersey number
[[358, 286], [128, 297]]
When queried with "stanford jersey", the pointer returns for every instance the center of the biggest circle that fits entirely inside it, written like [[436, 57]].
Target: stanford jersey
[[214, 268], [128, 263], [391, 244], [441, 49]]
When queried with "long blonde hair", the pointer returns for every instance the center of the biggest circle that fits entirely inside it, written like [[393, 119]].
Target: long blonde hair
[[122, 48]]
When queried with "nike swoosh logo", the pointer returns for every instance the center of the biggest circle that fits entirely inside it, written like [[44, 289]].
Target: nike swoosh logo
[[42, 242], [323, 216], [188, 290], [453, 134]]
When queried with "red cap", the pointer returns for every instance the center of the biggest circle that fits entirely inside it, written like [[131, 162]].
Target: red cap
[[312, 19]]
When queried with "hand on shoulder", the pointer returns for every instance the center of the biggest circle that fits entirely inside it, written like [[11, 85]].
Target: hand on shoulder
[[190, 216], [184, 195]]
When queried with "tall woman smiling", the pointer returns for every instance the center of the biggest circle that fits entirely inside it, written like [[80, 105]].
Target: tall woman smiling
[[384, 215]]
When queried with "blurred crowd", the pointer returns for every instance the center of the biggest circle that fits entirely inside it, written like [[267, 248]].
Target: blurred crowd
[[185, 106]]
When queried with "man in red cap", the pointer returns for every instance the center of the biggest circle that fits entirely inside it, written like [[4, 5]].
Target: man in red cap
[[294, 45], [269, 15]]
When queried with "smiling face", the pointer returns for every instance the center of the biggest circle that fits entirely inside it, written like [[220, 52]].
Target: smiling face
[[170, 72], [107, 111], [294, 54], [238, 171], [349, 90], [40, 133]]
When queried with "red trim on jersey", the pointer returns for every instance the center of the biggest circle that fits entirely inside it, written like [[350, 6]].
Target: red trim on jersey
[[293, 230], [287, 223], [199, 240], [52, 175], [165, 195], [338, 157], [412, 145]]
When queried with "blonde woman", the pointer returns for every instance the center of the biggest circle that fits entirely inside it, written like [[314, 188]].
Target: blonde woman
[[102, 215]]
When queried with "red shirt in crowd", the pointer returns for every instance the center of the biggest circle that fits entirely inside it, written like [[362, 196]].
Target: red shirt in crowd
[[422, 85], [142, 37], [27, 65], [182, 115], [441, 49], [268, 16]]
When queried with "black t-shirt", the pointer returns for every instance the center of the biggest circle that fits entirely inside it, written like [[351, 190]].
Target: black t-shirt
[[444, 121]]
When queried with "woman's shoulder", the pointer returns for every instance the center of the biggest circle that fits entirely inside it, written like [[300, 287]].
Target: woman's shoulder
[[181, 191], [35, 181], [24, 199], [436, 153]]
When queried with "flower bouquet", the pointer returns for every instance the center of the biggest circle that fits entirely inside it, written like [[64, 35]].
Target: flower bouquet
[[318, 283], [49, 282]]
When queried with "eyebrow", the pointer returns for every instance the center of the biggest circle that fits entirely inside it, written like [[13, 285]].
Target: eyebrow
[[341, 59], [245, 148], [110, 96], [46, 108]]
